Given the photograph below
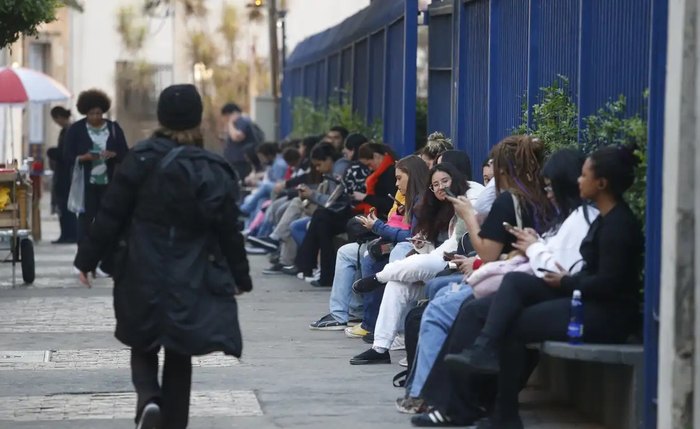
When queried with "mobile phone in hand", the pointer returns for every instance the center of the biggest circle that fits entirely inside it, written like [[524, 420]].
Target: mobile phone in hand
[[448, 256], [449, 193], [544, 270], [508, 226]]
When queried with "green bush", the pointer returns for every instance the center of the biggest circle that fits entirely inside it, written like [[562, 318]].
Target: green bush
[[555, 121], [309, 120]]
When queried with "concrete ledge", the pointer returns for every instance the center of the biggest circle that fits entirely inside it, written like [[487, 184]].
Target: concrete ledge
[[625, 354]]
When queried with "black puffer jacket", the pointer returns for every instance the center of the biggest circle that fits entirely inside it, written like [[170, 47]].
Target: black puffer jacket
[[179, 256]]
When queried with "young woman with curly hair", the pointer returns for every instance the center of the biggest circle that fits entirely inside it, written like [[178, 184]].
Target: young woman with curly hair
[[98, 145]]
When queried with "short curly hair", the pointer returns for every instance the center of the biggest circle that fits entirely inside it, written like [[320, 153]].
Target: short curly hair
[[88, 100]]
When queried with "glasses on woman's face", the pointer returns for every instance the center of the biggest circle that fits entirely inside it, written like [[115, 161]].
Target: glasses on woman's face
[[442, 184]]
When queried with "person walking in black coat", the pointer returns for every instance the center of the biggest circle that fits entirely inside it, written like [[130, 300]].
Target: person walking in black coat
[[61, 179], [170, 219]]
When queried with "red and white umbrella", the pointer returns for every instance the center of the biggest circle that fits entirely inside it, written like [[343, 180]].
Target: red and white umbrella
[[19, 85]]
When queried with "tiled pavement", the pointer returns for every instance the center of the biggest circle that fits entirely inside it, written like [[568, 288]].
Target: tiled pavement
[[60, 366]]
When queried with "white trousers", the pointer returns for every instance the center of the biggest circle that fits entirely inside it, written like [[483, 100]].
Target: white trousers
[[403, 290]]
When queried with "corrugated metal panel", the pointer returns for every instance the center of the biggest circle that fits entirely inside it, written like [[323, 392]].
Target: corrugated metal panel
[[333, 78], [310, 82], [440, 71], [360, 78], [508, 66], [554, 44], [615, 43], [321, 83], [345, 73], [393, 106], [472, 122], [376, 76]]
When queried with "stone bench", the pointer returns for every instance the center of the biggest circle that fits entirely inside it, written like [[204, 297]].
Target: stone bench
[[604, 381]]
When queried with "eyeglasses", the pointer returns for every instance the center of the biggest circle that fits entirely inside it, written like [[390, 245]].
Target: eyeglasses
[[547, 188], [442, 184]]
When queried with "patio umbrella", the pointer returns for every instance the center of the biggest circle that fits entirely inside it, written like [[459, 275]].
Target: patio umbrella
[[19, 85]]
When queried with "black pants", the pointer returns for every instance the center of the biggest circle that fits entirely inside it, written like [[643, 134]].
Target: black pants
[[173, 395], [324, 225], [93, 201], [67, 220]]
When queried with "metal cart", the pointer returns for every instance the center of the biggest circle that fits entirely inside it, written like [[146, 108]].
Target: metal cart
[[15, 224]]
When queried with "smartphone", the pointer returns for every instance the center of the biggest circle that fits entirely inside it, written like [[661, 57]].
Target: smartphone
[[544, 270], [449, 193], [448, 256]]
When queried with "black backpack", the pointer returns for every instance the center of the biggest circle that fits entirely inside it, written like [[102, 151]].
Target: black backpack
[[258, 133]]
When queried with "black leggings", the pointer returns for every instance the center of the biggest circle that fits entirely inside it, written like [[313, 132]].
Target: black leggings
[[174, 395], [324, 225]]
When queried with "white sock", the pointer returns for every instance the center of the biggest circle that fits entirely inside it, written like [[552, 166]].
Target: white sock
[[379, 349]]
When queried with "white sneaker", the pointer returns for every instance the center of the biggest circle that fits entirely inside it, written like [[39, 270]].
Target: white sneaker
[[150, 417], [99, 274], [316, 276], [399, 343]]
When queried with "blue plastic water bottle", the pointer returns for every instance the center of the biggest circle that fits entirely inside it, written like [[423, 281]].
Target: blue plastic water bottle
[[575, 331]]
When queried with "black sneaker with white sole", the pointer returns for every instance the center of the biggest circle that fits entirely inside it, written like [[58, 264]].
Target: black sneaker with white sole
[[274, 269], [327, 323], [150, 417]]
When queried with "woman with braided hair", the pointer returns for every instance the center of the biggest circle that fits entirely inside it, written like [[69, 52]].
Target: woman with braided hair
[[437, 143]]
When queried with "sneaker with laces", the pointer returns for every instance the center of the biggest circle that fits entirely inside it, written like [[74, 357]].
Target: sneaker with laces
[[327, 323], [274, 269], [150, 417], [355, 331], [410, 405]]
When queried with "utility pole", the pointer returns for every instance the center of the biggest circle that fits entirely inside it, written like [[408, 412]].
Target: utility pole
[[274, 63]]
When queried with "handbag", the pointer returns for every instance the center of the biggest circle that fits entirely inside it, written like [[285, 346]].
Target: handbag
[[76, 195], [380, 248], [487, 279], [357, 232]]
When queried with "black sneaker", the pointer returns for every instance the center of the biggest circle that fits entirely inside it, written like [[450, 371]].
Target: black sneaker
[[317, 283], [327, 323], [475, 359], [292, 270], [150, 417], [369, 338], [371, 356], [274, 269], [433, 418], [367, 284], [265, 242]]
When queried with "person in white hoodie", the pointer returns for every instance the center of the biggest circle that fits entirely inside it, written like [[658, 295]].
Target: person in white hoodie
[[559, 246]]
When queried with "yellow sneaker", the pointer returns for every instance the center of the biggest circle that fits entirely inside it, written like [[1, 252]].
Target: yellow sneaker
[[356, 331]]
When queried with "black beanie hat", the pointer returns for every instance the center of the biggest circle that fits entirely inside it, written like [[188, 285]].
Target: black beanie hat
[[180, 107]]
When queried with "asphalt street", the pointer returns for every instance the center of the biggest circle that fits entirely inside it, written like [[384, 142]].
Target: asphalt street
[[61, 367]]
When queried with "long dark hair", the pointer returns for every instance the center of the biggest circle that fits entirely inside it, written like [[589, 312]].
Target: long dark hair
[[367, 150], [460, 160], [417, 173], [434, 215], [617, 165], [562, 169], [517, 163]]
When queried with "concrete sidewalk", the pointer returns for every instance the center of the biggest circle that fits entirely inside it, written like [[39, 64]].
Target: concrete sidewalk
[[60, 366]]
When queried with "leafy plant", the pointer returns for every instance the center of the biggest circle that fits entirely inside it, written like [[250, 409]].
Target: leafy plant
[[22, 17], [308, 119]]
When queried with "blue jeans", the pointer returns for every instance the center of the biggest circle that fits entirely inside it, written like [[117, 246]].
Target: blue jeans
[[433, 286], [298, 229], [373, 300], [344, 302], [251, 203], [435, 324]]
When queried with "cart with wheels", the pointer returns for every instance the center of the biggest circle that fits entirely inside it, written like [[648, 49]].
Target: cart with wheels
[[15, 223]]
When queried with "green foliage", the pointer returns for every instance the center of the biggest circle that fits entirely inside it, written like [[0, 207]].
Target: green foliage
[[310, 120], [555, 121], [554, 118], [22, 17]]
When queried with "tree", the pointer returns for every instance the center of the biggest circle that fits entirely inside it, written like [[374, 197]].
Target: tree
[[23, 17]]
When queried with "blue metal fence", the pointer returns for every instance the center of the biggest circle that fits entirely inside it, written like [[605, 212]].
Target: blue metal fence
[[504, 51], [368, 60]]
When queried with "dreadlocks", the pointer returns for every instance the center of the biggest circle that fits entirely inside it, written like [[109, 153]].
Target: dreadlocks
[[517, 161]]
